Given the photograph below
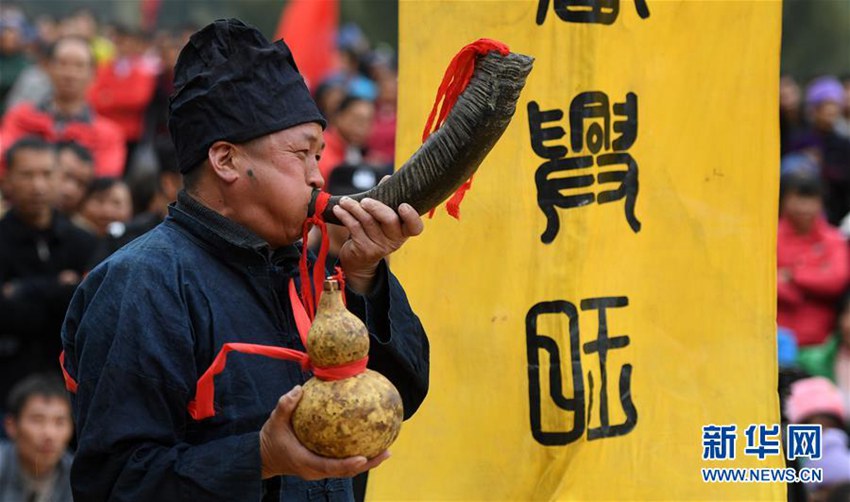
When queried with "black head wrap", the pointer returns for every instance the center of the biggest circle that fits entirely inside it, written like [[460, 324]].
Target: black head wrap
[[231, 84]]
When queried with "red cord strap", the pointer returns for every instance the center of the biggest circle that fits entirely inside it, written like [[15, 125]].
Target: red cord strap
[[70, 383], [302, 319], [203, 405], [454, 82], [311, 298]]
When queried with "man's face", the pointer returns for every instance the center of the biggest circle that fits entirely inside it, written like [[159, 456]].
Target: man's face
[[31, 182], [75, 175], [71, 69], [277, 174], [802, 210], [10, 40], [108, 206], [129, 46], [41, 432], [825, 115], [355, 122]]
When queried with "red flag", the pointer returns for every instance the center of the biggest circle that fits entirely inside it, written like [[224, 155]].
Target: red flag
[[309, 29], [149, 13]]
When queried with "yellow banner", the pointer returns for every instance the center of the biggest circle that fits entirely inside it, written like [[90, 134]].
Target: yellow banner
[[610, 288]]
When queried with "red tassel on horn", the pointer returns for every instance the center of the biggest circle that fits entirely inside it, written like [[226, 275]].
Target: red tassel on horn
[[454, 82]]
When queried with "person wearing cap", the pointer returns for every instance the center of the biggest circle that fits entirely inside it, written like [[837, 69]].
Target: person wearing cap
[[824, 101], [147, 323], [816, 400]]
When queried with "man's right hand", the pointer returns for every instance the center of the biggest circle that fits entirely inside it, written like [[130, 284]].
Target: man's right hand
[[282, 454]]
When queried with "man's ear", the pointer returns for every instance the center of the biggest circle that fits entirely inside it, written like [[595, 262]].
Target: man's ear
[[220, 156]]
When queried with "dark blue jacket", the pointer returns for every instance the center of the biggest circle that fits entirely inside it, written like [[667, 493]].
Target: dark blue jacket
[[145, 325]]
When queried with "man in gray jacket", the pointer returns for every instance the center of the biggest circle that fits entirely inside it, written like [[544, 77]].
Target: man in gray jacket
[[35, 465]]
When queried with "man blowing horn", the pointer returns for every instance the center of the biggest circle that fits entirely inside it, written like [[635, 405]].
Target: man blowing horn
[[145, 324]]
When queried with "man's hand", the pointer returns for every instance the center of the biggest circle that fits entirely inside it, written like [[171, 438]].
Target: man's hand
[[283, 454], [376, 231]]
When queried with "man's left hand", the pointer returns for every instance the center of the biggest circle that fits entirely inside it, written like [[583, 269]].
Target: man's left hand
[[376, 232]]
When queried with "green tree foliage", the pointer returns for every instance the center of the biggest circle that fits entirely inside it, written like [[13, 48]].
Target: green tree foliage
[[815, 38]]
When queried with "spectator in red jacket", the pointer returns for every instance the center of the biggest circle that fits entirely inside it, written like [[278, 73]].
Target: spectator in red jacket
[[124, 87], [67, 116], [812, 260]]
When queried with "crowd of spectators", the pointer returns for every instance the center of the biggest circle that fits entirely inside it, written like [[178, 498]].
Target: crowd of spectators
[[813, 273], [87, 164]]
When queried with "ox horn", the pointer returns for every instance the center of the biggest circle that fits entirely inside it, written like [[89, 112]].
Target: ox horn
[[452, 154]]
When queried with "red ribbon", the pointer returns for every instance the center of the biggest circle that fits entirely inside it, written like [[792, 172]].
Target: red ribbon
[[70, 383], [454, 82], [311, 298], [203, 405]]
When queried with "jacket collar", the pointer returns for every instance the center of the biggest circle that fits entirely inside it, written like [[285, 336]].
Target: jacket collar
[[223, 233]]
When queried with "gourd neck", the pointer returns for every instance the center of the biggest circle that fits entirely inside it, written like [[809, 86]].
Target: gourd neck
[[331, 299]]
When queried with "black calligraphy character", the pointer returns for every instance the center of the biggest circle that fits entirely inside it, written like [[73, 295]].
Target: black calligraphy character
[[602, 345], [536, 342], [591, 127], [627, 128], [628, 180], [539, 133], [590, 105], [588, 11], [548, 187]]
